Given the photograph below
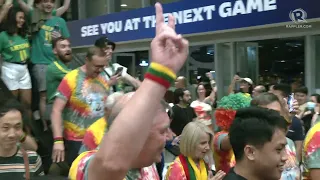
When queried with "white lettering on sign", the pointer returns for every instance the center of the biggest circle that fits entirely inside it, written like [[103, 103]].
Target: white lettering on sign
[[91, 30], [205, 13], [239, 7]]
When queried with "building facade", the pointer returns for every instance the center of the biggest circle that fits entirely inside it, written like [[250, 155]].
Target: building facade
[[224, 35]]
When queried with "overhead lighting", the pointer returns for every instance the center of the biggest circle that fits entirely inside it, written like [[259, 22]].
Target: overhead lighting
[[144, 64], [283, 61], [124, 5], [276, 47]]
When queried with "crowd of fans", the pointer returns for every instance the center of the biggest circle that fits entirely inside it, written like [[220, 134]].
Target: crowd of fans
[[101, 132]]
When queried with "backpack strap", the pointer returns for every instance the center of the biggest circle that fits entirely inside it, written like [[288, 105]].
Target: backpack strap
[[26, 164]]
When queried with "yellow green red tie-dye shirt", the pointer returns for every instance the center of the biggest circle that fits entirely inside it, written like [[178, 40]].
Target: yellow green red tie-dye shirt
[[224, 160], [311, 150], [85, 98]]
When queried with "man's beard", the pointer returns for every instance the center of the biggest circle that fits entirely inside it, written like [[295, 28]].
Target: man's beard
[[64, 58], [187, 102]]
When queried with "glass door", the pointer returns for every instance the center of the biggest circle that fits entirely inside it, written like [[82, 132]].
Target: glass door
[[127, 60], [248, 60]]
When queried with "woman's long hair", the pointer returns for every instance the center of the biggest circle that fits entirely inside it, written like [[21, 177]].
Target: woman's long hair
[[11, 23]]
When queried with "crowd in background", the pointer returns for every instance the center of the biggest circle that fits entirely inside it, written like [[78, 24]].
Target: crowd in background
[[87, 114]]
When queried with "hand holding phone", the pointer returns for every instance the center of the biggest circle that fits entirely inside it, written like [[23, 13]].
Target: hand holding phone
[[119, 71]]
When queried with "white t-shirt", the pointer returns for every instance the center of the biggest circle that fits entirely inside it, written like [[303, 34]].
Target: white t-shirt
[[115, 66]]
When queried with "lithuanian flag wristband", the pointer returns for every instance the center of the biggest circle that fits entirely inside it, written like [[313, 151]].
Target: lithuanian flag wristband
[[160, 74]]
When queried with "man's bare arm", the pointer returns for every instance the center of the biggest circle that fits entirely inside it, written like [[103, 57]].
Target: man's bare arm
[[128, 133], [4, 10], [299, 145], [314, 174], [30, 3], [56, 116], [132, 81], [61, 10], [25, 7]]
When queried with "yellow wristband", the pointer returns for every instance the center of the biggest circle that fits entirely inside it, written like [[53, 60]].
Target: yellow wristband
[[58, 142], [163, 69]]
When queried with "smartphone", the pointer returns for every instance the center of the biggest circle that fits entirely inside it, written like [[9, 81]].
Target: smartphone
[[290, 102], [213, 74], [119, 70]]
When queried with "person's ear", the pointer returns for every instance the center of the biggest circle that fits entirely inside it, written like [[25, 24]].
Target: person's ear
[[250, 152]]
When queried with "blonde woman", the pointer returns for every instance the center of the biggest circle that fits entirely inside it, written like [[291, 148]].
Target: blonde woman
[[195, 144]]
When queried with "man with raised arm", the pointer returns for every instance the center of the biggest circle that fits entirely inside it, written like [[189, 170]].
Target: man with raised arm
[[122, 145]]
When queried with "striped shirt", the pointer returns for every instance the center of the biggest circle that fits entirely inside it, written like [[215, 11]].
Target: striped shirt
[[13, 167]]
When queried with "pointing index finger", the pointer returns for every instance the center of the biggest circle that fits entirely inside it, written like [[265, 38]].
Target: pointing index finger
[[159, 17]]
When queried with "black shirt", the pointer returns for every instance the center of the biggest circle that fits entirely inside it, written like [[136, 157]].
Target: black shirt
[[233, 176], [295, 132], [181, 117]]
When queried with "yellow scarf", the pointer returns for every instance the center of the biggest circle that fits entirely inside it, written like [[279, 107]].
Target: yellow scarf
[[201, 174]]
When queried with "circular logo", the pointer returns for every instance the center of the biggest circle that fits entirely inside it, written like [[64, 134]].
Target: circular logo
[[298, 16]]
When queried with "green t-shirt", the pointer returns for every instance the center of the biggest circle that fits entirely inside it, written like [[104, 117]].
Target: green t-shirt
[[15, 49], [55, 73], [41, 52]]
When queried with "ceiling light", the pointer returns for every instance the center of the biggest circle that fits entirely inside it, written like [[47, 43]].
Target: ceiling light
[[124, 5], [283, 61], [144, 64]]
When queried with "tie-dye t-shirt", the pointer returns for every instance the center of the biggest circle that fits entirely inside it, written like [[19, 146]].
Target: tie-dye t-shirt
[[94, 135], [311, 151], [85, 98], [291, 168], [79, 169], [224, 160]]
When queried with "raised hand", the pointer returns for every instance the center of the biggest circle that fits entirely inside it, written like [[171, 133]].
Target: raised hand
[[9, 2], [168, 48]]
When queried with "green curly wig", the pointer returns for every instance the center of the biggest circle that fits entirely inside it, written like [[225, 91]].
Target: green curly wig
[[227, 108]]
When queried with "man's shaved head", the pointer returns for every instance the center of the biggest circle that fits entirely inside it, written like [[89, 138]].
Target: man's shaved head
[[155, 143], [181, 82]]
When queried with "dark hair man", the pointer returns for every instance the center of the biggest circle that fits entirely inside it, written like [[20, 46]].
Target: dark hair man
[[113, 75], [295, 132], [12, 157], [301, 95], [258, 140], [182, 112]]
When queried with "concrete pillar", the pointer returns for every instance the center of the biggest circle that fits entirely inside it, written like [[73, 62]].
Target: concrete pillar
[[310, 63]]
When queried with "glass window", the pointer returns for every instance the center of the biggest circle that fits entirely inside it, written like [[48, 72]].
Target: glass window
[[96, 8], [126, 5], [201, 61]]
